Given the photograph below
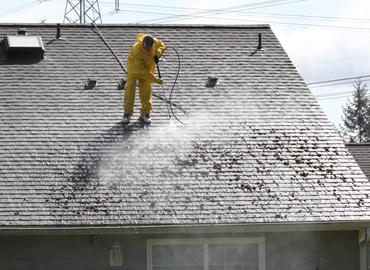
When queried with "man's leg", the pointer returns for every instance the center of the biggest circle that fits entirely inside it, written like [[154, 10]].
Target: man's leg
[[129, 95], [145, 92]]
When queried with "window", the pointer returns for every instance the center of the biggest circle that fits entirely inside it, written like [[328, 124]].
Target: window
[[207, 254]]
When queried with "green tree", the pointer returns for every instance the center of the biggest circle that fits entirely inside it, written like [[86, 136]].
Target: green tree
[[356, 114]]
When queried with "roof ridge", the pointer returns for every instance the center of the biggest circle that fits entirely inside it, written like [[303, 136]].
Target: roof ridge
[[128, 25]]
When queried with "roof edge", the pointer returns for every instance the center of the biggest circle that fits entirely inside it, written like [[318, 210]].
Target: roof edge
[[186, 229], [250, 26], [358, 144]]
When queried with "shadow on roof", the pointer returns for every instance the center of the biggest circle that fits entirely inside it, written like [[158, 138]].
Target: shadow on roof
[[20, 61], [88, 166]]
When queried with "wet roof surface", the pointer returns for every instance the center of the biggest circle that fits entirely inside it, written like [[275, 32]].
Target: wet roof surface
[[257, 147]]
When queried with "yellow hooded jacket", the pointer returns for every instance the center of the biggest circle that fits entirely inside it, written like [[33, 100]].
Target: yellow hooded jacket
[[140, 62]]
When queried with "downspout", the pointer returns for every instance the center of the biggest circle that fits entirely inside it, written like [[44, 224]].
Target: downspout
[[363, 239]]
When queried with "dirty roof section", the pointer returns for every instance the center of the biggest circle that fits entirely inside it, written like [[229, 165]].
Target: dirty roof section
[[256, 149], [361, 153]]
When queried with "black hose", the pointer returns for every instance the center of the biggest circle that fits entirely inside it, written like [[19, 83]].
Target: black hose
[[109, 47], [155, 95], [173, 87]]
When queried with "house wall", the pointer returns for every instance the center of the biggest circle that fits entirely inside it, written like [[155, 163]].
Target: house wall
[[334, 250]]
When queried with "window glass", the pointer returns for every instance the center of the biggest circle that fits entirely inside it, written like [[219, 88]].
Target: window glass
[[233, 257], [214, 254], [177, 257]]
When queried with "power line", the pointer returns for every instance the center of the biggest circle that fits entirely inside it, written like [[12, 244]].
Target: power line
[[225, 10], [239, 10], [199, 15], [335, 84], [20, 7], [310, 17], [184, 17], [357, 29], [338, 80], [279, 15], [135, 11], [336, 95], [333, 61], [333, 95], [158, 6]]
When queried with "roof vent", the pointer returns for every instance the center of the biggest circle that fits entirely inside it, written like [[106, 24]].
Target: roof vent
[[121, 84], [259, 49], [90, 84], [259, 46], [22, 31], [211, 81], [57, 36], [24, 46]]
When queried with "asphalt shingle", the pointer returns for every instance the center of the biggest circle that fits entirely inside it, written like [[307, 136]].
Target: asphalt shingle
[[361, 153], [257, 148]]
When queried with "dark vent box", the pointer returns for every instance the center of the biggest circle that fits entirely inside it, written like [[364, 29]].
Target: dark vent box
[[23, 46]]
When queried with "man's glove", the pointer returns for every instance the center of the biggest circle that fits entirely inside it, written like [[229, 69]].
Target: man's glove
[[158, 80], [156, 59]]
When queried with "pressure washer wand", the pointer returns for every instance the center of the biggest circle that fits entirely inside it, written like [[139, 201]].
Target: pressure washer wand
[[164, 94], [159, 72]]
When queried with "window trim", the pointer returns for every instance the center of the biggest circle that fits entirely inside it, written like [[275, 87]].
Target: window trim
[[205, 242]]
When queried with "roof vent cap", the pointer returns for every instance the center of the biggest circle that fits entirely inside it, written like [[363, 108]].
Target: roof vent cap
[[259, 46], [259, 49], [58, 34], [90, 83], [211, 81], [121, 84], [24, 46], [22, 31]]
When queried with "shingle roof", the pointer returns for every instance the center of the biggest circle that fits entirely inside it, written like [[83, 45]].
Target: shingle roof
[[361, 153], [258, 148]]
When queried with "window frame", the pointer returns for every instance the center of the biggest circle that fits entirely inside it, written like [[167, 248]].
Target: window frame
[[205, 242]]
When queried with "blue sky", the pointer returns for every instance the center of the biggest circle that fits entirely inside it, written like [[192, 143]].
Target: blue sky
[[325, 39]]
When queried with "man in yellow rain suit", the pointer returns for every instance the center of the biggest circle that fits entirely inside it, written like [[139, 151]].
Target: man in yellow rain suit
[[141, 63]]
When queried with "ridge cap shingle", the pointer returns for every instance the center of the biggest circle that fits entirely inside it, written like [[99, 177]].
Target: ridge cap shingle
[[129, 25]]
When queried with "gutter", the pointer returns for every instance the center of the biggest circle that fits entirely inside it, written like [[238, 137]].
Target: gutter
[[183, 229]]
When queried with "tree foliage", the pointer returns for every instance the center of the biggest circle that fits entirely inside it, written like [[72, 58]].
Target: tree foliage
[[356, 114]]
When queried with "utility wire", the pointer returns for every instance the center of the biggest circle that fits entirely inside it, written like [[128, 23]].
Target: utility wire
[[202, 13], [309, 17], [332, 61], [109, 47], [322, 26], [187, 16], [224, 10], [347, 28], [279, 15], [338, 80], [330, 98], [333, 95], [19, 8], [335, 84], [336, 95]]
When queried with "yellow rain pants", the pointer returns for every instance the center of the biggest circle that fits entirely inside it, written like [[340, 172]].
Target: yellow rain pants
[[141, 68]]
